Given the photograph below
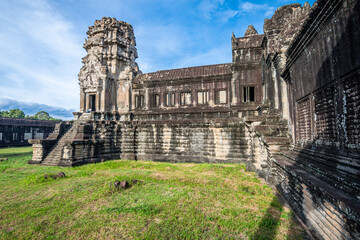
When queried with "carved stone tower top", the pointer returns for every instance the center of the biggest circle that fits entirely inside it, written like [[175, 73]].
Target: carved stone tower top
[[250, 31], [109, 67]]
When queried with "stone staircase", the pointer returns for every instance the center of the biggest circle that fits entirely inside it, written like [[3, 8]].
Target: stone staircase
[[268, 134], [272, 128], [55, 155]]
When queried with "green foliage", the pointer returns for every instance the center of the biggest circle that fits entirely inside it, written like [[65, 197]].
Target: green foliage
[[17, 113], [170, 201], [42, 115], [13, 113]]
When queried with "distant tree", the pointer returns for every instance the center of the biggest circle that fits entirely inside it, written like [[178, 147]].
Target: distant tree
[[17, 113], [13, 113], [29, 117], [3, 113], [42, 115]]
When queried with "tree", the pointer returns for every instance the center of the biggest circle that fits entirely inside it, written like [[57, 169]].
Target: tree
[[42, 115], [13, 113], [4, 113], [17, 113]]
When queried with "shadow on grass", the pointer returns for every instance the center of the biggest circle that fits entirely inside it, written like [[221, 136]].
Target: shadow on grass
[[267, 228]]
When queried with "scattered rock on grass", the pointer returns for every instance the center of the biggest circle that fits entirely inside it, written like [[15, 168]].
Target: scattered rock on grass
[[122, 184], [117, 185], [59, 175]]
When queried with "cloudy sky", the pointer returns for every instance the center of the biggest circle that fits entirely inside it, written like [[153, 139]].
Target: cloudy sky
[[41, 41]]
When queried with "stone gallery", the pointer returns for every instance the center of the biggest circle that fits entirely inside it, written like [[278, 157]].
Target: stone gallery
[[287, 106], [17, 131]]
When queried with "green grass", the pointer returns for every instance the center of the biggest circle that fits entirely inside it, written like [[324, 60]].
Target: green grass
[[171, 201]]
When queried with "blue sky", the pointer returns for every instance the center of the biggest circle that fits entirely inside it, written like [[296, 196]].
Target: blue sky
[[41, 40]]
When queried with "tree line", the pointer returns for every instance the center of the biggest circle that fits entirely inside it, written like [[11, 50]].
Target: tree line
[[17, 113]]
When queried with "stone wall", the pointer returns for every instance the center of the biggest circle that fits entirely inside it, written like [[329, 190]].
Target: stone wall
[[216, 141], [17, 132], [320, 176], [323, 75], [279, 31]]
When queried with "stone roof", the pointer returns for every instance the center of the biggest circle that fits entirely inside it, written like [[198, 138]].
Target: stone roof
[[183, 73], [27, 122]]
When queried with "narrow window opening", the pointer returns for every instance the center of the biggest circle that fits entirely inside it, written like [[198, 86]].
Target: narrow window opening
[[249, 94], [220, 97], [139, 101], [185, 98], [202, 97], [169, 99], [156, 100]]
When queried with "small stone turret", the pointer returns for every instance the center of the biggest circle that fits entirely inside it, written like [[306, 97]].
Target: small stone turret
[[109, 67], [251, 31]]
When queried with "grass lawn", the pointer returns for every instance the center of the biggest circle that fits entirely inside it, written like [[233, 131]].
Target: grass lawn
[[171, 201]]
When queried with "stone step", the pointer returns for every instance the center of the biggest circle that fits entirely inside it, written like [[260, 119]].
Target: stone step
[[54, 157], [343, 166], [275, 120], [304, 191], [350, 159], [327, 173], [272, 130], [277, 140], [260, 118]]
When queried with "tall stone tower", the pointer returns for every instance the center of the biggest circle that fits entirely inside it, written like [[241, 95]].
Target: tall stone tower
[[109, 68]]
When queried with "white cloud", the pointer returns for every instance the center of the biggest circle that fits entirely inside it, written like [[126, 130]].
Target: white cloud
[[39, 54], [217, 10], [209, 7], [248, 7], [30, 108]]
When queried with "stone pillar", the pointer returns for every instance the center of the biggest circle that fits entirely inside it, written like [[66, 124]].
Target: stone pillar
[[82, 102], [87, 102], [234, 88], [97, 103]]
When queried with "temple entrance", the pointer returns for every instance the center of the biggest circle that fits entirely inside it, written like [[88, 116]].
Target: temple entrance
[[92, 102]]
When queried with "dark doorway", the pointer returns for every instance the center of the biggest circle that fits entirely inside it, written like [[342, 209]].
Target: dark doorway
[[92, 101]]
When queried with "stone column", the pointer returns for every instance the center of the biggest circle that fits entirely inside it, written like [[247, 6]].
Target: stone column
[[82, 102]]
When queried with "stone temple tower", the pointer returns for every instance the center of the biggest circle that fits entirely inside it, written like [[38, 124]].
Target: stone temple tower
[[108, 70]]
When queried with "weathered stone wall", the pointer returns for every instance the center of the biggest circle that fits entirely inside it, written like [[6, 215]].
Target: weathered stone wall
[[175, 141], [320, 176], [323, 74], [17, 132], [279, 31], [246, 68], [220, 142]]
